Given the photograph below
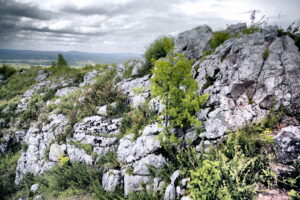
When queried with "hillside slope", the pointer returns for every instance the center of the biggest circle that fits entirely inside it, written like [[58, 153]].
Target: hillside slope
[[100, 133]]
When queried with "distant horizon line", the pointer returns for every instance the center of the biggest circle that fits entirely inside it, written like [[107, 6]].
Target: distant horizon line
[[69, 51]]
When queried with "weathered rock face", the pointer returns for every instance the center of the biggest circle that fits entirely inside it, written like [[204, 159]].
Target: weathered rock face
[[111, 180], [90, 78], [137, 65], [34, 160], [136, 89], [194, 42], [288, 144], [243, 84], [99, 132]]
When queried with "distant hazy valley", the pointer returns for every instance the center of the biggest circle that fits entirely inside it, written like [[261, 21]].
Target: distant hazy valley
[[75, 58]]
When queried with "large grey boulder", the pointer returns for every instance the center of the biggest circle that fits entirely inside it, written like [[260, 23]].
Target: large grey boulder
[[97, 131], [140, 167], [137, 65], [288, 144], [111, 179], [243, 85], [236, 28], [135, 182], [130, 151], [90, 78], [39, 138], [131, 86], [34, 188], [193, 43], [170, 193], [56, 152]]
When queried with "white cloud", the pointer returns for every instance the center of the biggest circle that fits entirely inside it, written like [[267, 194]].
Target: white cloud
[[124, 25]]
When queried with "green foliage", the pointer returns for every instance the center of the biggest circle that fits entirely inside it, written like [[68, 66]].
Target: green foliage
[[135, 120], [8, 164], [266, 54], [64, 160], [294, 195], [84, 103], [7, 71], [61, 62], [143, 195], [88, 148], [206, 182], [156, 50], [109, 160], [138, 90], [291, 31], [128, 71], [291, 180], [18, 83], [173, 82], [218, 39], [250, 30]]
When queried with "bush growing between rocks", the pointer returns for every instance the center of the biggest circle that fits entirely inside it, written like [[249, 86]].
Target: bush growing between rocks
[[7, 71], [8, 164], [218, 39], [135, 120], [173, 82], [293, 32], [159, 48]]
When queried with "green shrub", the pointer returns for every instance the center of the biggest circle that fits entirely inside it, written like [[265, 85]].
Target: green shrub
[[88, 148], [128, 71], [250, 30], [206, 182], [135, 120], [291, 31], [8, 164], [218, 39], [18, 84], [61, 62], [156, 50], [143, 195], [7, 71], [173, 82], [266, 54]]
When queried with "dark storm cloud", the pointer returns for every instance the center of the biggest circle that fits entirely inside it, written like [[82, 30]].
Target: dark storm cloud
[[13, 8], [132, 8], [120, 25]]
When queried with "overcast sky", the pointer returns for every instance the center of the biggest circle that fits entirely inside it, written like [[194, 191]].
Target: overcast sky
[[123, 25]]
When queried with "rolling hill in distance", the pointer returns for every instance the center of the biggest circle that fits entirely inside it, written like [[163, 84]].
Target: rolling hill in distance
[[74, 58]]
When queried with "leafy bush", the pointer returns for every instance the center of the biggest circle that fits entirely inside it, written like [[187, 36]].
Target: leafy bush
[[206, 182], [8, 164], [173, 82], [7, 71], [218, 39], [135, 120], [61, 62], [156, 50], [18, 84], [292, 32], [250, 30]]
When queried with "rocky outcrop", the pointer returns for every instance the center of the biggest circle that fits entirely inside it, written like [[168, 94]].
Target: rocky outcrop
[[193, 43], [288, 144], [90, 78], [38, 138], [136, 89], [244, 78]]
